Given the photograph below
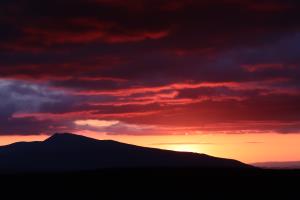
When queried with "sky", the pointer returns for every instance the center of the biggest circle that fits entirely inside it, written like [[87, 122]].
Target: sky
[[215, 76]]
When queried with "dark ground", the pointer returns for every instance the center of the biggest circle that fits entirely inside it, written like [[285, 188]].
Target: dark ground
[[155, 184]]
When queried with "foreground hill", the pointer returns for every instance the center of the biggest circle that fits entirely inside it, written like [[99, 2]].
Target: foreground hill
[[75, 167], [68, 152], [279, 165]]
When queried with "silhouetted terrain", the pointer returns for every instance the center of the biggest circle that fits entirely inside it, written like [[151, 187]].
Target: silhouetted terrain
[[279, 165], [155, 183], [68, 152], [69, 166]]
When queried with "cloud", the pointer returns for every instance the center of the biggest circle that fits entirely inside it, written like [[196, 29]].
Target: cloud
[[53, 37], [254, 142], [117, 127], [184, 143], [197, 143], [262, 67], [162, 67], [24, 96], [96, 123]]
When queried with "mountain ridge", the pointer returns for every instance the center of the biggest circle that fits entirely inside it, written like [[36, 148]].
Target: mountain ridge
[[70, 152]]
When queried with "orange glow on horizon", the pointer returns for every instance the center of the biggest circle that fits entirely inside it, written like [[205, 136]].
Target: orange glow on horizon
[[248, 148]]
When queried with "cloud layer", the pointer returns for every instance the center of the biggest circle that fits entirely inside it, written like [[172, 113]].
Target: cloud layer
[[156, 67]]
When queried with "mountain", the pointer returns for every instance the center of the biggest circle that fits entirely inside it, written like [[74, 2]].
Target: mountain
[[69, 152], [279, 165]]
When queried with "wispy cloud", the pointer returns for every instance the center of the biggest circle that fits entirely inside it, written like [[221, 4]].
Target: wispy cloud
[[185, 143]]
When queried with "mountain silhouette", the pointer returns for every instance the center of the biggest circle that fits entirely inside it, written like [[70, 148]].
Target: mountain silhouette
[[69, 152]]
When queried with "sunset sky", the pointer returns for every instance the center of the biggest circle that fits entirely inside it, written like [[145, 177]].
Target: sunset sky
[[220, 77]]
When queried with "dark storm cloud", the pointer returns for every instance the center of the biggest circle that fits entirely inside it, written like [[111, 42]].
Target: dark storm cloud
[[20, 96], [182, 62], [84, 38], [30, 126]]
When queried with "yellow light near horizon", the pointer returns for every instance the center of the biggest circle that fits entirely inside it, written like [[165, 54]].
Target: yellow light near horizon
[[183, 147], [6, 140], [247, 148]]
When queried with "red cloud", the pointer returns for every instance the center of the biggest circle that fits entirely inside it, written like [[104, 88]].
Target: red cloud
[[79, 115], [218, 65], [52, 37], [269, 7], [261, 67], [136, 37]]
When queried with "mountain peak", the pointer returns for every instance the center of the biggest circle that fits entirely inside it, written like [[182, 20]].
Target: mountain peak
[[66, 151], [70, 138], [66, 137]]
